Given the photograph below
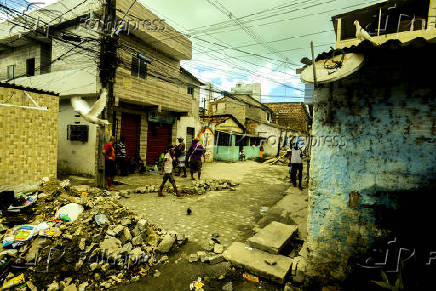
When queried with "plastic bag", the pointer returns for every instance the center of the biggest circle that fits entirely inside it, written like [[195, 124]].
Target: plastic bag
[[72, 210], [13, 282], [24, 233]]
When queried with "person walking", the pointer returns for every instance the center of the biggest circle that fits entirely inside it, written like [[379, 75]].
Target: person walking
[[121, 154], [168, 172], [195, 152], [261, 149], [110, 168], [181, 157], [296, 165]]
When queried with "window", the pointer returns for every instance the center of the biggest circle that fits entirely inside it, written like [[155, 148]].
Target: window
[[11, 72], [223, 139], [139, 68], [77, 132], [30, 67], [45, 66], [191, 90]]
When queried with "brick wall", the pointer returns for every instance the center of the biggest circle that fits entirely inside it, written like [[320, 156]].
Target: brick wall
[[28, 138], [290, 114]]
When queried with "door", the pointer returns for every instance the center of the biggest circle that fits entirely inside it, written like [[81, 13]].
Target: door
[[189, 137], [130, 129], [158, 139]]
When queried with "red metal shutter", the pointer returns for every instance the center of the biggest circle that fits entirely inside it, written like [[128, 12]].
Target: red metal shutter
[[158, 138], [130, 127]]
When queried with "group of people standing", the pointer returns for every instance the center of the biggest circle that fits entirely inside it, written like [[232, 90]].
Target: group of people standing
[[175, 158]]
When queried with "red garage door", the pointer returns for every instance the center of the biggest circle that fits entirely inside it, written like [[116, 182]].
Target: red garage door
[[158, 138], [130, 127]]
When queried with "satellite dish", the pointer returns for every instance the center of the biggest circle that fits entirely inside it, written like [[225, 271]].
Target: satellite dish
[[334, 68]]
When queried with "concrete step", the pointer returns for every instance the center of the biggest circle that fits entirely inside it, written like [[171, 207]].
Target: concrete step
[[262, 264], [273, 237]]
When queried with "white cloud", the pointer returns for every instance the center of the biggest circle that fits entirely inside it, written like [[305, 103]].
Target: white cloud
[[226, 78]]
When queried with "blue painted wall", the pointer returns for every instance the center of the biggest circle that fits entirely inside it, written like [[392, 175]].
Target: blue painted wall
[[379, 140]]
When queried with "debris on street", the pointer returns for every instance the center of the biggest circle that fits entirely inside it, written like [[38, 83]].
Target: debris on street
[[199, 187], [69, 240], [280, 160]]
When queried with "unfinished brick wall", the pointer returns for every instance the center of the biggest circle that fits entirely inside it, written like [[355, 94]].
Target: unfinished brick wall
[[28, 137], [18, 57], [290, 114]]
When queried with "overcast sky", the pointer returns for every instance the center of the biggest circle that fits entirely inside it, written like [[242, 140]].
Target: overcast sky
[[261, 41]]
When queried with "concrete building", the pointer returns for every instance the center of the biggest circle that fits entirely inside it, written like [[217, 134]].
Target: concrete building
[[254, 90], [243, 123], [365, 192], [28, 135], [402, 20], [152, 100]]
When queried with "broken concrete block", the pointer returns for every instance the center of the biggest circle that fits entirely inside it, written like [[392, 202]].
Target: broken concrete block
[[273, 237], [181, 238], [111, 246], [201, 254], [82, 287], [71, 287], [166, 243], [126, 222], [228, 286], [218, 249], [126, 236], [254, 261], [193, 258], [156, 274], [93, 266], [214, 259], [126, 248], [142, 224], [137, 240], [299, 269], [54, 286], [135, 254]]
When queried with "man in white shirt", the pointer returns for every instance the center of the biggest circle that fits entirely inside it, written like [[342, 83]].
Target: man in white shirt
[[168, 171], [296, 165]]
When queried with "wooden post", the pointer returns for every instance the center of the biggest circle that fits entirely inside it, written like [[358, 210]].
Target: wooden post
[[379, 22], [431, 15], [338, 31], [313, 66]]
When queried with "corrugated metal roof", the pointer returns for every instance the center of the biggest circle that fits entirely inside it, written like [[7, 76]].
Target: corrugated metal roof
[[366, 47], [29, 89]]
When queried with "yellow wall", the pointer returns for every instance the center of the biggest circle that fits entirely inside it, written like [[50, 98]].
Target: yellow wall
[[28, 138]]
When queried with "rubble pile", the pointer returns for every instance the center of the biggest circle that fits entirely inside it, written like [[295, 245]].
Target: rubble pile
[[212, 252], [106, 245], [282, 159], [199, 187]]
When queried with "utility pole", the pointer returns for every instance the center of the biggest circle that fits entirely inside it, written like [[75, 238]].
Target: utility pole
[[107, 67], [209, 97]]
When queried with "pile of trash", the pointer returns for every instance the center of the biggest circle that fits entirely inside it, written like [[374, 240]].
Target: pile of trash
[[78, 238], [199, 187]]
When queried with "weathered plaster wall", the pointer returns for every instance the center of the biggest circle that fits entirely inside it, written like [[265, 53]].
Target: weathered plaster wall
[[389, 133], [75, 157]]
